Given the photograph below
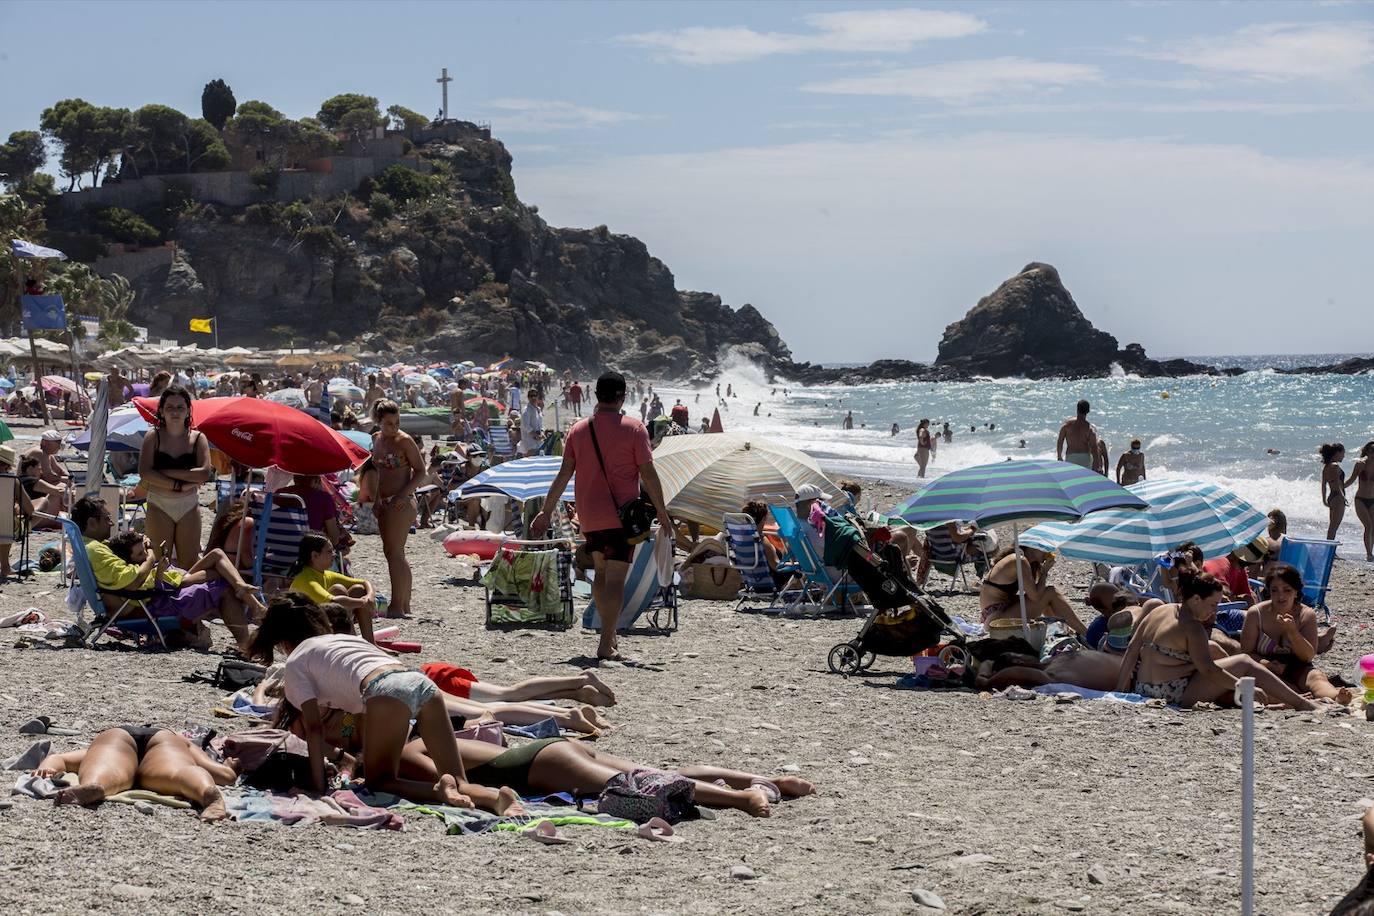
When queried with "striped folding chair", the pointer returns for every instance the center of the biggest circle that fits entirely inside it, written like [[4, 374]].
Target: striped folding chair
[[14, 528], [279, 521]]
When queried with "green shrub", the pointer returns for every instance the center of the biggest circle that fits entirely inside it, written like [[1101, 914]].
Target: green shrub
[[264, 178], [125, 226], [319, 239], [381, 206], [268, 214], [297, 215], [404, 184]]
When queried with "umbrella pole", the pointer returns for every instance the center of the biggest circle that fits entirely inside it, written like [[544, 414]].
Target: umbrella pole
[[1020, 584]]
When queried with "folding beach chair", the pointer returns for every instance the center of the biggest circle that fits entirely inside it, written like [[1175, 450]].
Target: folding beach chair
[[953, 559], [141, 626], [499, 439], [818, 578], [280, 521], [651, 587], [513, 599], [745, 548], [14, 529], [227, 489], [1313, 558]]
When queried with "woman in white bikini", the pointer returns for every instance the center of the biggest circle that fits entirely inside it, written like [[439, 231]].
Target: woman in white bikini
[[173, 463]]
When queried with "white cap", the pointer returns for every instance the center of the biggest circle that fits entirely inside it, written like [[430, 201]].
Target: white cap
[[51, 435], [810, 491]]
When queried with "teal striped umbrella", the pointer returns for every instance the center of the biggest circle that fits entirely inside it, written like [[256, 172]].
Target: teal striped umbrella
[[1015, 491]]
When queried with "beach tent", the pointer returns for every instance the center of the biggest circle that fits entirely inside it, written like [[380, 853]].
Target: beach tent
[[705, 477], [1179, 510]]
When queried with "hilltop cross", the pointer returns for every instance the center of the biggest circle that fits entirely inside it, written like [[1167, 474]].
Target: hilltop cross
[[444, 81]]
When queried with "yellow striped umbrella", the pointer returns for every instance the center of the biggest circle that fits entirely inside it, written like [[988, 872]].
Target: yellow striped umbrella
[[705, 476]]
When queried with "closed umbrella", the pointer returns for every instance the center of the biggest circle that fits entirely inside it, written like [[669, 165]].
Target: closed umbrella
[[522, 479], [706, 476], [261, 434], [1015, 491], [1216, 519]]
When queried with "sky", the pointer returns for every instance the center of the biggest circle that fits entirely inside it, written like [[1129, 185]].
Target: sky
[[1201, 174]]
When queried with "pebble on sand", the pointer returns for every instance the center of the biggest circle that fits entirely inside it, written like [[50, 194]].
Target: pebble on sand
[[928, 899], [742, 873]]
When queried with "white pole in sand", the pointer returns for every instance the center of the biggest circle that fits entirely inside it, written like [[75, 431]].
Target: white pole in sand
[[1020, 585], [1245, 699]]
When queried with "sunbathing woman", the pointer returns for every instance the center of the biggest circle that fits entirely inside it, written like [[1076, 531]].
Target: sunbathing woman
[[1086, 668], [143, 757], [1281, 634], [559, 765], [999, 594], [350, 674], [1169, 656]]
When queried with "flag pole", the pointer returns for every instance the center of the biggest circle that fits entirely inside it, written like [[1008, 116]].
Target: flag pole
[[214, 325]]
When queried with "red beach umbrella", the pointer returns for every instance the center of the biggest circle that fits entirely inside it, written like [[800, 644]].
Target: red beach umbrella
[[716, 426], [260, 433]]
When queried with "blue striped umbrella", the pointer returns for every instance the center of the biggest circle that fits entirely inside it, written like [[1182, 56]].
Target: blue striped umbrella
[[1013, 491], [1180, 510], [522, 479]]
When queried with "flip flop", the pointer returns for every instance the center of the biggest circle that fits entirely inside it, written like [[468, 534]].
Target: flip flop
[[657, 830], [546, 833], [769, 788]]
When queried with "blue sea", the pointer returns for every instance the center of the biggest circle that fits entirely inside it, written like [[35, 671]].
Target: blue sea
[[1213, 429]]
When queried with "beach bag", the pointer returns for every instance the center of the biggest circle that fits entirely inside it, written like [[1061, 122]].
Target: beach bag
[[645, 794], [636, 516], [235, 674], [711, 582]]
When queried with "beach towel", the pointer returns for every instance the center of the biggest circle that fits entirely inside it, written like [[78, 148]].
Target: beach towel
[[1050, 690], [530, 575], [470, 821], [337, 809]]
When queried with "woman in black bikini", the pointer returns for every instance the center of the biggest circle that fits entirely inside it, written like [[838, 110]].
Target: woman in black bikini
[[1170, 656], [143, 757], [1333, 485], [999, 598], [1362, 477], [173, 462]]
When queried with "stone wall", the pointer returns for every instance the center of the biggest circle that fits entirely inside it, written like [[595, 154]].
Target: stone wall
[[236, 188]]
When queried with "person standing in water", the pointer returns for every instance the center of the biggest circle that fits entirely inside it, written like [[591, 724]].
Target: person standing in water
[[1362, 478], [848, 420], [948, 434], [1130, 467], [1333, 485], [1077, 439], [922, 447]]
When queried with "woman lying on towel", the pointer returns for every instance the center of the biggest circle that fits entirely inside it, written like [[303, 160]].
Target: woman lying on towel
[[558, 765], [1169, 657], [325, 670], [1081, 667], [142, 757]]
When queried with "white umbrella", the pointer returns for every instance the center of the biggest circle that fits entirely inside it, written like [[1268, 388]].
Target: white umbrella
[[291, 397], [706, 476]]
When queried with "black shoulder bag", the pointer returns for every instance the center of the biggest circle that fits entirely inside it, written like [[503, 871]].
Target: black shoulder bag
[[637, 515]]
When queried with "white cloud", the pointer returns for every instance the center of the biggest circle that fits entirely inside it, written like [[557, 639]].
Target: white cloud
[[845, 31], [538, 115], [1166, 235], [961, 81], [1282, 52]]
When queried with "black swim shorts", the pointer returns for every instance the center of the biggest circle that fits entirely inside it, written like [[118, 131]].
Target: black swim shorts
[[612, 544]]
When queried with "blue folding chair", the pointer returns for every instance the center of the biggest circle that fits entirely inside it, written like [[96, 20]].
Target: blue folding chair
[[102, 618], [280, 521], [818, 578], [644, 593], [1313, 559], [744, 545], [498, 437]]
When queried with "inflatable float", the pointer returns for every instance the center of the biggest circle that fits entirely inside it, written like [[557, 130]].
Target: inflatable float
[[482, 544]]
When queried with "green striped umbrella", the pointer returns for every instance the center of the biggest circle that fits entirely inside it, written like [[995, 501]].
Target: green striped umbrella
[[705, 476], [1015, 491]]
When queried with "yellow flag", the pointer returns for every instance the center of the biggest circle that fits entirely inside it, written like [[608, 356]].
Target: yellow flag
[[201, 325]]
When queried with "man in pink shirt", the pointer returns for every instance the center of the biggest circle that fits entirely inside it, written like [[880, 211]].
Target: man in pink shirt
[[628, 461]]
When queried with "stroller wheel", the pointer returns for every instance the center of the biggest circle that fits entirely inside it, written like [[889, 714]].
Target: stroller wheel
[[867, 661], [844, 659], [955, 655]]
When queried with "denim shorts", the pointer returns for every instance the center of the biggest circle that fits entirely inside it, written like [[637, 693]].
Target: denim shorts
[[410, 687]]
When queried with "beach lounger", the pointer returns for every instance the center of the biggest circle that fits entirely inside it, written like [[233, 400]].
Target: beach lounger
[[280, 521], [819, 580], [143, 626], [651, 587], [13, 528], [745, 548], [1313, 559]]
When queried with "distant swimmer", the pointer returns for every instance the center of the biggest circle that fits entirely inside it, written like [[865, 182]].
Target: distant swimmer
[[717, 389], [1077, 439], [973, 429], [1103, 462], [756, 408], [773, 392], [948, 434], [848, 420], [729, 391], [1272, 451], [1130, 467], [1023, 444], [896, 429]]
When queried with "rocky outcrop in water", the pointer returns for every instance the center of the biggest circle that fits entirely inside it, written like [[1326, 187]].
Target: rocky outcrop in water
[[1359, 365]]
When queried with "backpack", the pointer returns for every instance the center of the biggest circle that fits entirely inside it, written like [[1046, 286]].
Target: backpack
[[645, 793], [232, 674]]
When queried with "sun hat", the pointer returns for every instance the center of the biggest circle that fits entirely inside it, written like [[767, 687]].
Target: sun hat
[[1254, 551], [810, 491], [8, 455], [51, 435]]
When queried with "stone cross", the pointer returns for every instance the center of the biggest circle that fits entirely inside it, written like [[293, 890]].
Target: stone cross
[[443, 81]]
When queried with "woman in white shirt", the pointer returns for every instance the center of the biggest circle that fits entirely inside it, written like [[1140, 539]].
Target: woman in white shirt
[[349, 673]]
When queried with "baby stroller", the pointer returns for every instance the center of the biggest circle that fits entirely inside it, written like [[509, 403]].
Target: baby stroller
[[903, 621]]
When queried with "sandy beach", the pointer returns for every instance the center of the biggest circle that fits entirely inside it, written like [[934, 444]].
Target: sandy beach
[[996, 806]]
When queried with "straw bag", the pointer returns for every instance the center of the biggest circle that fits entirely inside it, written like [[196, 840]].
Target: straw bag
[[711, 581]]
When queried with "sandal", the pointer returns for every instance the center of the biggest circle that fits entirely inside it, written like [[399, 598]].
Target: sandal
[[657, 830]]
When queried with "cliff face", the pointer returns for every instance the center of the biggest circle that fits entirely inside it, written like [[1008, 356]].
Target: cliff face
[[469, 273]]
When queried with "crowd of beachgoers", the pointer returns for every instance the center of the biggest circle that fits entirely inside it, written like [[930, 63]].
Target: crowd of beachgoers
[[320, 676]]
